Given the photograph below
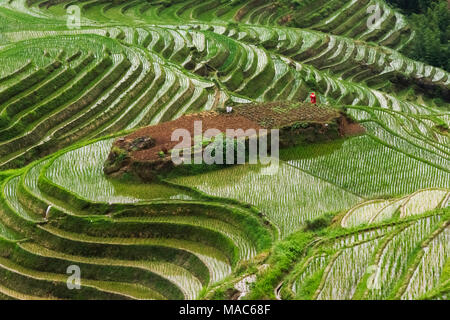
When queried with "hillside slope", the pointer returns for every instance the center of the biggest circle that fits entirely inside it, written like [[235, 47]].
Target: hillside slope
[[66, 93]]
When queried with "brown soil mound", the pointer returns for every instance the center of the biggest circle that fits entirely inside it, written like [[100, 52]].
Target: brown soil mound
[[283, 114], [250, 116], [350, 128], [162, 133], [140, 152]]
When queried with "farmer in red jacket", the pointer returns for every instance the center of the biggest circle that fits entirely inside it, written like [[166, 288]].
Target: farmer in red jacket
[[313, 98]]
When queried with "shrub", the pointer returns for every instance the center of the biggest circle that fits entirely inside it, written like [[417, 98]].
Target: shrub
[[319, 222]]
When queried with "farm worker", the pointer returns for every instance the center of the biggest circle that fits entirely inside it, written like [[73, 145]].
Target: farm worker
[[313, 98]]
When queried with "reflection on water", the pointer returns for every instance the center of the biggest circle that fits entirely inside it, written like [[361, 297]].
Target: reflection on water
[[148, 191], [311, 151]]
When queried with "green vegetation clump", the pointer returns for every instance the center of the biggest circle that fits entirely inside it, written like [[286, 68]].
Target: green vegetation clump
[[283, 256], [319, 223], [115, 159]]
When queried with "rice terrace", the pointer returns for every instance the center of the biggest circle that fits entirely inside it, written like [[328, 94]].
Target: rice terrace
[[348, 102]]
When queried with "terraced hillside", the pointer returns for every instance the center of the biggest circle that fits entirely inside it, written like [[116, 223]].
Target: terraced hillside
[[176, 242], [66, 93], [397, 260]]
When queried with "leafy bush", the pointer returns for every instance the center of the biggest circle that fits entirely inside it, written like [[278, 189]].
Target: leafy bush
[[319, 222]]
